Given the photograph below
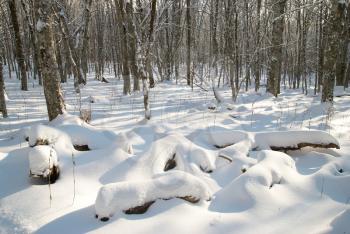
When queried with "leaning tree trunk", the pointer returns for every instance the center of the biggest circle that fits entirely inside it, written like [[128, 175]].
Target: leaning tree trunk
[[3, 109], [274, 69], [19, 48], [333, 30], [52, 89]]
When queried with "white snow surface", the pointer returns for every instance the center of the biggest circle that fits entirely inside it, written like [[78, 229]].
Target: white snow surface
[[252, 188], [41, 160]]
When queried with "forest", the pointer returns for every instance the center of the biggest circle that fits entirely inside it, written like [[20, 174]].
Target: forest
[[181, 116]]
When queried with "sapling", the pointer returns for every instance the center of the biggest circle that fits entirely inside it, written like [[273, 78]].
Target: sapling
[[73, 164], [50, 176]]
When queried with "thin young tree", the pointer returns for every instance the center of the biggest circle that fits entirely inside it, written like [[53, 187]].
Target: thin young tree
[[3, 108], [188, 31]]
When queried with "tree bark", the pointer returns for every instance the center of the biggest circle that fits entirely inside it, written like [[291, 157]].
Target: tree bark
[[52, 89], [3, 108], [333, 30], [85, 43], [274, 69], [19, 47], [188, 56], [257, 48], [124, 45]]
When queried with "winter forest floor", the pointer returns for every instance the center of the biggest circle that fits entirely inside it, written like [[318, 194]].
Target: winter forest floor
[[303, 191]]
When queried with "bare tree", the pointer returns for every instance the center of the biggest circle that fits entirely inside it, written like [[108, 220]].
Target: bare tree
[[188, 31], [85, 43], [19, 47], [124, 44], [333, 30], [274, 69], [3, 108], [52, 90]]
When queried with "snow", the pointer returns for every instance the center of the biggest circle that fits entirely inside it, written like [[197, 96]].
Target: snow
[[125, 195], [293, 138], [246, 190], [251, 186], [40, 25], [41, 160]]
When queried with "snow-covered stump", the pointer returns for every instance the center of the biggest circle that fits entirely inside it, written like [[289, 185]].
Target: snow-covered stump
[[43, 163], [135, 197]]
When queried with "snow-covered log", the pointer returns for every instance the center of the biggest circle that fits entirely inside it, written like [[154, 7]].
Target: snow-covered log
[[222, 139], [43, 162], [279, 140], [137, 196], [294, 140]]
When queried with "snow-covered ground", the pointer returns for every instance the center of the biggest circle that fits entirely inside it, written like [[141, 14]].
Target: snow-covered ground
[[172, 164]]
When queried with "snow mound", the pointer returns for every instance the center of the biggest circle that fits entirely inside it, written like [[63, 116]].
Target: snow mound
[[202, 158], [129, 194], [66, 119], [80, 135], [42, 159], [225, 138], [66, 132], [43, 135], [254, 184]]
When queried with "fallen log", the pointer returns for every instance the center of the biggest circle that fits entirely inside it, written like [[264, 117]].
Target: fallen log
[[139, 209], [303, 145], [135, 197], [170, 164], [81, 147]]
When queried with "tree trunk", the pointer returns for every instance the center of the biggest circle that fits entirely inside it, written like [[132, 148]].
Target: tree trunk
[[333, 30], [19, 48], [52, 89], [274, 69], [85, 43], [257, 48], [188, 56], [124, 45], [3, 108]]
